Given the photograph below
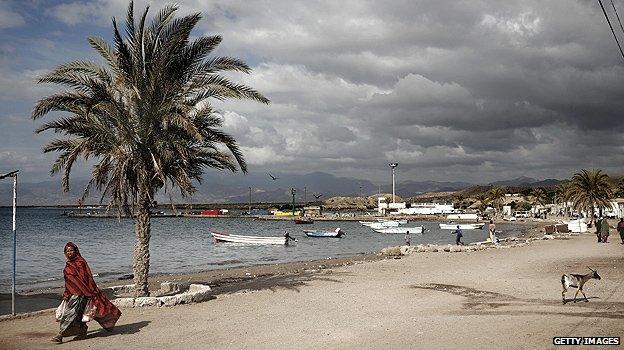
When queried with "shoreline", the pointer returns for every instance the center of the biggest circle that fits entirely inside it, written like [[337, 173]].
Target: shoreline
[[225, 280]]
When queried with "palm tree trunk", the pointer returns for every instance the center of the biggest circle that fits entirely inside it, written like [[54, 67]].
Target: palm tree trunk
[[141, 248]]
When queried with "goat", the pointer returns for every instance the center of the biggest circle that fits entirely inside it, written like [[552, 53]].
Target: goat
[[576, 281]]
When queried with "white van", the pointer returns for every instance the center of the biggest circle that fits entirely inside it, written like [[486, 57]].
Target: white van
[[522, 214]]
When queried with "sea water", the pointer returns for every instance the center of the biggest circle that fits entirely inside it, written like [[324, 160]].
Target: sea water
[[181, 245]]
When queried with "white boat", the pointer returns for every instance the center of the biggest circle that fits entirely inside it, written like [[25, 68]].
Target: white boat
[[367, 223], [226, 237], [417, 229], [399, 221], [477, 226]]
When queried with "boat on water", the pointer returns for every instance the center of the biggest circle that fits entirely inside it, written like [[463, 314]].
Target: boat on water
[[226, 237], [303, 221], [383, 224], [416, 229], [329, 234], [453, 226], [400, 221]]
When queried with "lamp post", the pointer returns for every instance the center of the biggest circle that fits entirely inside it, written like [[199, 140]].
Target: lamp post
[[293, 191], [250, 200], [393, 166], [13, 174]]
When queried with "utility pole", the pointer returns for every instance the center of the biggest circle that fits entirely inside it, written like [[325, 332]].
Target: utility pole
[[305, 196], [293, 191], [393, 166], [250, 200], [13, 174]]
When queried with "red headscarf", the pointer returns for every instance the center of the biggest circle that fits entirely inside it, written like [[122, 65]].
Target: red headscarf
[[79, 281]]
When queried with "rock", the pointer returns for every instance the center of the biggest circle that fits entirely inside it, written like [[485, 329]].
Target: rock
[[146, 301], [194, 288], [391, 251], [455, 249], [201, 296], [170, 300], [406, 250], [548, 237], [447, 248], [123, 302], [169, 288], [185, 298]]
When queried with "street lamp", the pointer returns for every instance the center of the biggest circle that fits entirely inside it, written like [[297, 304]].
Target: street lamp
[[293, 191], [13, 174], [393, 165]]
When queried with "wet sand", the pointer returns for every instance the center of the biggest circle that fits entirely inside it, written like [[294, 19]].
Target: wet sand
[[498, 298]]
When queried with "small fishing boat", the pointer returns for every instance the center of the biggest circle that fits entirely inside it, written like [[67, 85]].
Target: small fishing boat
[[416, 229], [303, 221], [226, 237], [319, 233], [453, 226], [367, 223], [399, 221]]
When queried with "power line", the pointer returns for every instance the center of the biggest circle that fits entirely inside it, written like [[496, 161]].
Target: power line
[[616, 15], [610, 26]]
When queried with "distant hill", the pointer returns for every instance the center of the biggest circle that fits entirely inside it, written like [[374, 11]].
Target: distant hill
[[223, 187]]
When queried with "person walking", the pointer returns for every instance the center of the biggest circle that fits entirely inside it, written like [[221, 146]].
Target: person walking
[[604, 230], [620, 228], [492, 230], [408, 238], [81, 290], [458, 235]]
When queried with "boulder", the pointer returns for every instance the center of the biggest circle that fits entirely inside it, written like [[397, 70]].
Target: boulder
[[391, 251], [185, 298], [194, 288], [123, 302], [170, 300], [169, 288], [146, 301]]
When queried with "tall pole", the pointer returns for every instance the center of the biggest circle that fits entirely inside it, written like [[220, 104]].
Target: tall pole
[[250, 200], [305, 196], [13, 174], [393, 166], [14, 243], [292, 191]]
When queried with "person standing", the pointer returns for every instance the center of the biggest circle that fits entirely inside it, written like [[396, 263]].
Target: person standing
[[80, 289], [598, 232], [604, 230], [492, 230], [458, 235], [408, 238], [620, 228]]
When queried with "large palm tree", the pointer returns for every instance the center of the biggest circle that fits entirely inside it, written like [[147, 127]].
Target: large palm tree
[[591, 189], [145, 116], [539, 195], [483, 201]]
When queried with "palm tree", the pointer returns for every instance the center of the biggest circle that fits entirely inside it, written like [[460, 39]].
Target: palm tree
[[591, 189], [497, 194], [145, 116], [483, 201], [539, 196], [562, 194]]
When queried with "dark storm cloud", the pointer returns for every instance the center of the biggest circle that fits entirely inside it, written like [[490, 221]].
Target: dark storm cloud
[[472, 90]]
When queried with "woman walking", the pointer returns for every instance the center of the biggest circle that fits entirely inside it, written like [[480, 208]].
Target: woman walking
[[80, 289]]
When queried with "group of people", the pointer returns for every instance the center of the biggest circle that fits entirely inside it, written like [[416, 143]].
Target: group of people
[[602, 230]]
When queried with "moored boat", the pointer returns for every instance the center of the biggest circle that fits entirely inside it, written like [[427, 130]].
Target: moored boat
[[453, 226], [303, 221], [416, 229], [329, 234], [226, 237]]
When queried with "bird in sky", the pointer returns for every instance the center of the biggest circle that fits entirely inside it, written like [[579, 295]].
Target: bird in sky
[[273, 177], [317, 196]]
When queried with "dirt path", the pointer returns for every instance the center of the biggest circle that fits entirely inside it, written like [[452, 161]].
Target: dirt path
[[506, 298]]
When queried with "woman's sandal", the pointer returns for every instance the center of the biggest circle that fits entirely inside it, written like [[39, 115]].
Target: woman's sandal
[[57, 339]]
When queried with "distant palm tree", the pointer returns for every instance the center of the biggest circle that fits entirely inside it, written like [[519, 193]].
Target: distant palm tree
[[496, 195], [591, 189], [483, 201], [459, 198], [562, 194], [539, 195], [145, 116]]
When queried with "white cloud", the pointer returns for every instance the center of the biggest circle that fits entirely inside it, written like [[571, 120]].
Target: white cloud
[[9, 18]]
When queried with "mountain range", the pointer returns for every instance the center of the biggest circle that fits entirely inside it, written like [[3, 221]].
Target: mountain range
[[222, 187]]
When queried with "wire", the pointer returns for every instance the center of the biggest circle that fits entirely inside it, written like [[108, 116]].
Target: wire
[[616, 15], [610, 26]]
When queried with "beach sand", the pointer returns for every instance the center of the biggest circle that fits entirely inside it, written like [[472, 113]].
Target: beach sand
[[497, 298]]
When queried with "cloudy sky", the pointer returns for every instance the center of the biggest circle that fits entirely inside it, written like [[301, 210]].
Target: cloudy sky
[[472, 91]]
